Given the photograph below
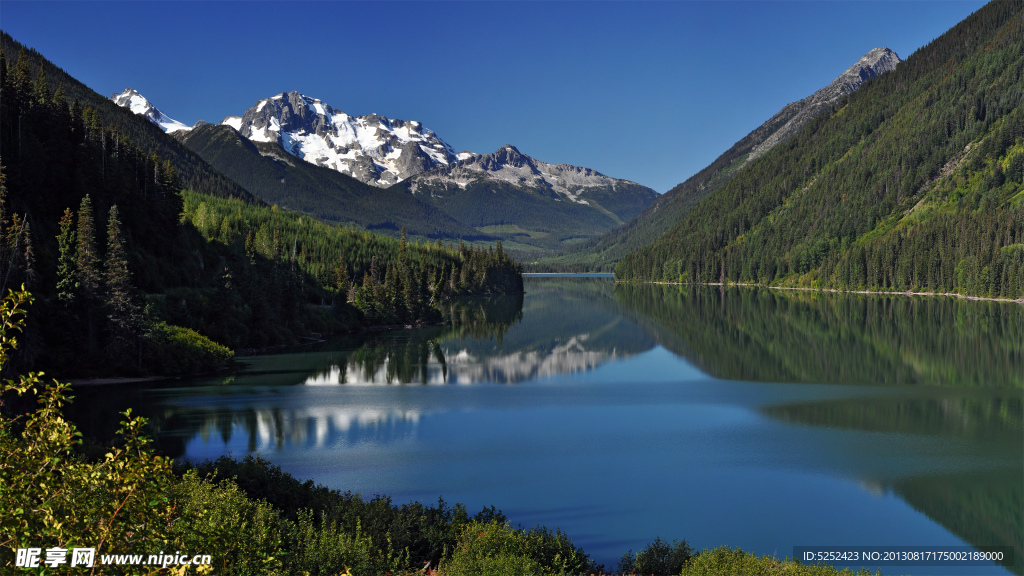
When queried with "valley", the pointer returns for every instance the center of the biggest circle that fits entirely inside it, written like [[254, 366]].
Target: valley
[[329, 341]]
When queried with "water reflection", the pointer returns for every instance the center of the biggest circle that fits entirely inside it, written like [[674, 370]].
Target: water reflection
[[981, 506], [568, 326], [798, 336], [314, 427], [913, 400]]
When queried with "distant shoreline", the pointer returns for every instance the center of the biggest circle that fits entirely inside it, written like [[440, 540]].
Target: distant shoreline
[[833, 290], [585, 274]]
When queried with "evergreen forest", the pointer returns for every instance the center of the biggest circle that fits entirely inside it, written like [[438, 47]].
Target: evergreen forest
[[915, 182]]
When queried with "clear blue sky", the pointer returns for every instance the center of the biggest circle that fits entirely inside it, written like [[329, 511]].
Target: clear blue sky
[[647, 91]]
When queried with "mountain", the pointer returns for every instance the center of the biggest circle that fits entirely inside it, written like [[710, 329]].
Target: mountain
[[138, 104], [602, 253], [532, 203], [373, 149], [534, 206], [914, 182], [281, 179]]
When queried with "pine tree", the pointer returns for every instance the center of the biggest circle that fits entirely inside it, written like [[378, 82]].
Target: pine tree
[[122, 311], [88, 259], [67, 283], [86, 270]]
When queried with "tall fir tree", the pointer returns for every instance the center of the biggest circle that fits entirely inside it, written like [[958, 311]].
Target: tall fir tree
[[119, 293], [87, 269], [67, 281]]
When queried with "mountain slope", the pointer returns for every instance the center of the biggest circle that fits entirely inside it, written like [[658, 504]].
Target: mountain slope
[[601, 253], [193, 172], [281, 179], [536, 204], [914, 183]]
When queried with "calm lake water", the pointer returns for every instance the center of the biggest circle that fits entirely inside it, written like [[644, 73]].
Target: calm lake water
[[619, 413]]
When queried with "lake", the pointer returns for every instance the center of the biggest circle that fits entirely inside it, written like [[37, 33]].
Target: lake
[[739, 416]]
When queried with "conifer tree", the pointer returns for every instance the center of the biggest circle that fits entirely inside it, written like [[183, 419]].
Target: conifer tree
[[67, 282], [122, 311], [86, 269], [88, 259]]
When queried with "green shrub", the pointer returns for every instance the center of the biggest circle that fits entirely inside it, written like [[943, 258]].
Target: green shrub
[[175, 350], [243, 536], [323, 548], [426, 533], [496, 548], [491, 549], [49, 495], [658, 557], [726, 561]]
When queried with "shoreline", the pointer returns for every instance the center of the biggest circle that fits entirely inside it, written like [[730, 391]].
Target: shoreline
[[117, 380], [832, 290]]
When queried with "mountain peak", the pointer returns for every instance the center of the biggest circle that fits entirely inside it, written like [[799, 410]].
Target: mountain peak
[[373, 149], [872, 64], [794, 116], [131, 99]]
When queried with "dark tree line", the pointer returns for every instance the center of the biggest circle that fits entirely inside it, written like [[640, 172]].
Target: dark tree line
[[389, 280]]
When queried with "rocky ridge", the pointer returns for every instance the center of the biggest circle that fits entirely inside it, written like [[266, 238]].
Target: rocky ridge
[[795, 115], [511, 166]]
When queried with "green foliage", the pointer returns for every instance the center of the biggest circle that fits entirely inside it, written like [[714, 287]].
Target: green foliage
[[67, 240], [243, 535], [904, 187], [658, 557], [726, 561], [414, 533], [124, 320], [17, 259], [495, 548], [177, 350], [323, 548], [51, 496], [395, 281]]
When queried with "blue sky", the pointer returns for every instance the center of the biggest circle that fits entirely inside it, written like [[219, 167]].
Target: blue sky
[[647, 91]]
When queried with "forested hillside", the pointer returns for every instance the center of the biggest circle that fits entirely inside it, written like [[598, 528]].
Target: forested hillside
[[913, 183], [128, 278], [192, 171]]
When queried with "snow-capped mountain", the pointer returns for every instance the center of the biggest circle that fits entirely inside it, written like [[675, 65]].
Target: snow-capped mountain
[[373, 149], [138, 104], [509, 165], [504, 193]]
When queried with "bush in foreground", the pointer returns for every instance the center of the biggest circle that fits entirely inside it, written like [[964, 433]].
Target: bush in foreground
[[495, 548]]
